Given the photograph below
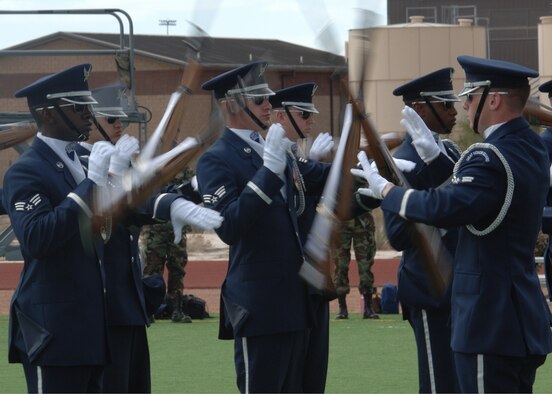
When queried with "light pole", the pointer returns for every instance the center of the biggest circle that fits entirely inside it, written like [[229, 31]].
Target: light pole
[[167, 22]]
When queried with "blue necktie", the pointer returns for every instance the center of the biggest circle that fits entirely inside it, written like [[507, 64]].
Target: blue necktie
[[70, 150], [255, 137]]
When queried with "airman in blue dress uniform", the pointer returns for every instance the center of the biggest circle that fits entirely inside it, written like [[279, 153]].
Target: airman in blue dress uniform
[[129, 370], [546, 137], [265, 305], [127, 312], [293, 108], [57, 323], [432, 97], [500, 318]]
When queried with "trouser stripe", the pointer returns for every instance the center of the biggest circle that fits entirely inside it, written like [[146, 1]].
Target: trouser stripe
[[429, 352], [480, 374], [39, 380], [246, 362]]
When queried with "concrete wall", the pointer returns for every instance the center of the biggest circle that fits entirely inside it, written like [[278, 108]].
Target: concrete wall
[[545, 54]]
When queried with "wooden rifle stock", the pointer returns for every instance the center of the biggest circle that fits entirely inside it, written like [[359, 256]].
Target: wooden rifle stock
[[538, 114], [427, 239], [317, 268], [173, 127], [16, 134]]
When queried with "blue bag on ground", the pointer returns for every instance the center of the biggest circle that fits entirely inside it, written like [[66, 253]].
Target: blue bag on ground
[[389, 299]]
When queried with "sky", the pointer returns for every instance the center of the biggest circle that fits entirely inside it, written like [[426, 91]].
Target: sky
[[302, 22]]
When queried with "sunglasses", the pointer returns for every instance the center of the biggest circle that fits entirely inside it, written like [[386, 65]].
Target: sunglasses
[[78, 108], [447, 104], [304, 114], [258, 100], [111, 120]]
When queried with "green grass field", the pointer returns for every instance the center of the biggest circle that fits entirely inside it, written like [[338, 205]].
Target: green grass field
[[375, 356]]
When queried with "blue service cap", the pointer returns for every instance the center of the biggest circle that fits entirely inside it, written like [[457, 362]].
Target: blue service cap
[[546, 88], [436, 85], [69, 85], [246, 80], [110, 101], [494, 73], [298, 97]]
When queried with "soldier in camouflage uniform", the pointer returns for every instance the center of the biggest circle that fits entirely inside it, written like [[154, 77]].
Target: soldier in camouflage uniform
[[361, 232], [160, 249]]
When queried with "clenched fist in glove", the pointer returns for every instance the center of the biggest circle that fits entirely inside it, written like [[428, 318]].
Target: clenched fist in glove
[[127, 146], [376, 183], [275, 146], [321, 146], [422, 137], [98, 162], [186, 212]]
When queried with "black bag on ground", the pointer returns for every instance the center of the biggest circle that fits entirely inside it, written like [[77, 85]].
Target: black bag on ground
[[194, 307]]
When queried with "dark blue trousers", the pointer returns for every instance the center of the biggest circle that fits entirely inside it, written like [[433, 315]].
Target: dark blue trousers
[[496, 374], [436, 371], [129, 371], [72, 379], [316, 358], [270, 363]]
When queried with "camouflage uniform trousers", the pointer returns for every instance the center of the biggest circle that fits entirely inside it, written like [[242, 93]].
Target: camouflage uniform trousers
[[160, 249], [359, 231]]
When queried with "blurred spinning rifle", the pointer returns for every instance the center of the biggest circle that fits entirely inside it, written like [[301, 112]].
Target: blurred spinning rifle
[[150, 172], [147, 175], [15, 133], [158, 164], [427, 239], [331, 211], [317, 268]]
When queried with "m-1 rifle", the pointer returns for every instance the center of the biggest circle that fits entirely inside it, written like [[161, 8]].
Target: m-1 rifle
[[427, 239]]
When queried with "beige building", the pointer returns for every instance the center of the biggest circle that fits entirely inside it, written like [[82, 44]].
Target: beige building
[[396, 54]]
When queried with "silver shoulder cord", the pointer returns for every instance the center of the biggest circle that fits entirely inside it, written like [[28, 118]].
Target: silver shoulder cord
[[509, 190]]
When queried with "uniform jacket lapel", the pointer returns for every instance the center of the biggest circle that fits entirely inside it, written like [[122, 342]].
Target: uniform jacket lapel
[[53, 159], [244, 150]]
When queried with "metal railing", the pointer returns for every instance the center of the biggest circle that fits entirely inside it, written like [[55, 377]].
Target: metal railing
[[133, 114]]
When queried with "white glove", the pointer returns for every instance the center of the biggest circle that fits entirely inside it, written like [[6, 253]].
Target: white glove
[[186, 212], [98, 162], [402, 165], [194, 184], [376, 183], [321, 146], [127, 146], [274, 155], [422, 137]]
